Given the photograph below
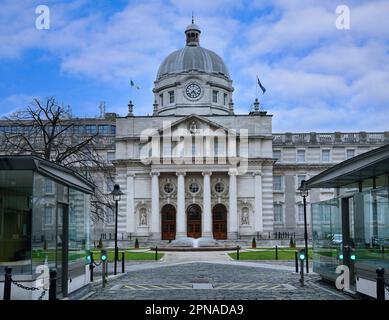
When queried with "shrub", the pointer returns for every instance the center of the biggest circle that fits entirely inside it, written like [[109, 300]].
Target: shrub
[[291, 243], [100, 245], [136, 243], [253, 244]]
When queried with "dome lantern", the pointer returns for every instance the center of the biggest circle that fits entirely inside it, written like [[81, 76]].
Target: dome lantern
[[192, 33]]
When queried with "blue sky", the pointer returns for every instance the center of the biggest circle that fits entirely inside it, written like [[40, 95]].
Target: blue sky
[[318, 78]]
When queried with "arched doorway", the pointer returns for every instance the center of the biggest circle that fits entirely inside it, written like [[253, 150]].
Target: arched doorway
[[219, 222], [168, 222], [193, 218]]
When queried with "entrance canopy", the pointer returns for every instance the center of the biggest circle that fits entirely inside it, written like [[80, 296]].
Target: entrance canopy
[[364, 166], [48, 169]]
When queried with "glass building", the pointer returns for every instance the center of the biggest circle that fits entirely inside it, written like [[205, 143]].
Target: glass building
[[44, 221], [352, 229]]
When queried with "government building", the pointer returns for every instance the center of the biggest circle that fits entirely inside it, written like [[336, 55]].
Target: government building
[[196, 168]]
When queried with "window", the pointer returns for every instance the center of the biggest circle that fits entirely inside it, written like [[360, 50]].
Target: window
[[106, 129], [277, 213], [109, 185], [225, 99], [48, 215], [49, 186], [113, 129], [300, 178], [110, 216], [110, 156], [325, 155], [168, 187], [277, 155], [171, 96], [300, 212], [78, 129], [350, 153], [167, 149], [90, 129], [277, 183], [161, 100], [300, 156], [219, 187], [215, 95], [219, 148], [194, 187]]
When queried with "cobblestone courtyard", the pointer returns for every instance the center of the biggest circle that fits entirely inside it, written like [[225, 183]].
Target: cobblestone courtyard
[[179, 277]]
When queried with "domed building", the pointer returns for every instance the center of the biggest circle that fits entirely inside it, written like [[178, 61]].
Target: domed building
[[194, 168]]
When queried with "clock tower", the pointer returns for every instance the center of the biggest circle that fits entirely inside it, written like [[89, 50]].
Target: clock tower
[[193, 80]]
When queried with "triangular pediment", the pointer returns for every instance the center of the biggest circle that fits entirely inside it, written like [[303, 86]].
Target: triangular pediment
[[194, 121]]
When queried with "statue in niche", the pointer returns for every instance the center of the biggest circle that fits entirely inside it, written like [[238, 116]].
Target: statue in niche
[[143, 217], [245, 216], [193, 127]]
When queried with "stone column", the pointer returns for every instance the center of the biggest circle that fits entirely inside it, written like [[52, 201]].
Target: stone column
[[258, 218], [207, 215], [181, 226], [155, 216], [130, 223], [233, 206]]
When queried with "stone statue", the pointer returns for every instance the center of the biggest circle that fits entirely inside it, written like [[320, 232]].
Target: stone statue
[[245, 217], [143, 218], [193, 127]]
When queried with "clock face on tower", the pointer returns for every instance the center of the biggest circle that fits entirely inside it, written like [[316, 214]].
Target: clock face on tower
[[193, 91]]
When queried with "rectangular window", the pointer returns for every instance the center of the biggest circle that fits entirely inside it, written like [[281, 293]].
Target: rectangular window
[[300, 178], [277, 213], [171, 96], [350, 153], [325, 155], [215, 95], [48, 215], [110, 184], [300, 208], [161, 100], [277, 155], [78, 129], [110, 156], [110, 216], [104, 129], [300, 156], [113, 129], [90, 129], [225, 99], [49, 186], [277, 183]]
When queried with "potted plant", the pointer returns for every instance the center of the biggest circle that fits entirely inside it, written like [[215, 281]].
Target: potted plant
[[136, 243], [291, 243], [253, 244], [100, 245]]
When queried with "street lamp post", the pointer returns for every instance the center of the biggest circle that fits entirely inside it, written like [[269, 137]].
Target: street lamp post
[[304, 193], [116, 194]]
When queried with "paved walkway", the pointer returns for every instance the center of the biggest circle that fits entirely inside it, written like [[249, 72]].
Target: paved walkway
[[210, 276]]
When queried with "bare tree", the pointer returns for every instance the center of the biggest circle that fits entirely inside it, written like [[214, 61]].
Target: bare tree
[[47, 130]]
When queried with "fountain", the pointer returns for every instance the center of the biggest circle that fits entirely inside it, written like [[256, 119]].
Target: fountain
[[196, 244]]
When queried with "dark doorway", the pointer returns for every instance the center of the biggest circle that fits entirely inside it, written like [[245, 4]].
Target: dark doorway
[[219, 222], [168, 222], [194, 221]]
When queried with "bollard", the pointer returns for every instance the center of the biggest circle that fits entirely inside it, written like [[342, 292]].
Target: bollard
[[91, 266], [53, 284], [104, 274], [297, 261], [302, 272], [156, 253], [7, 283], [237, 252], [380, 283], [123, 262], [276, 252]]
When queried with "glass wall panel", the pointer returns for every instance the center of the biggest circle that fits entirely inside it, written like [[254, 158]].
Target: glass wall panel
[[79, 236], [327, 236], [15, 216], [372, 225], [47, 222]]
